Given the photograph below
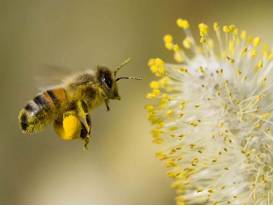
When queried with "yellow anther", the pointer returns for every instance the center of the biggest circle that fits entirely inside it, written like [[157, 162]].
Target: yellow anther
[[155, 132], [182, 23], [265, 116], [154, 85], [171, 174], [178, 57], [176, 48], [161, 155], [243, 35], [235, 32], [195, 161], [202, 40], [157, 140], [150, 108], [170, 163], [184, 69], [256, 41], [155, 93], [187, 42], [244, 51], [182, 105], [203, 29], [270, 55], [231, 60], [168, 38], [201, 70], [253, 52], [232, 27], [194, 123], [216, 26], [170, 113], [260, 65], [226, 29], [157, 66], [173, 128], [169, 46], [168, 41], [164, 81], [163, 101]]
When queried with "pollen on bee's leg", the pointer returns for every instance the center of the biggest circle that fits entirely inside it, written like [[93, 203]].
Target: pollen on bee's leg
[[69, 128]]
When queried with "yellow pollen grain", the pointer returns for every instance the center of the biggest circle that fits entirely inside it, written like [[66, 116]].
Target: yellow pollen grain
[[182, 23]]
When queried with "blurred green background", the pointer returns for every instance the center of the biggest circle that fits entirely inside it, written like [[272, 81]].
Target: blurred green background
[[120, 167]]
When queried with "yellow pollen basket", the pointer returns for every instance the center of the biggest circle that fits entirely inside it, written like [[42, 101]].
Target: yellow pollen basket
[[71, 128]]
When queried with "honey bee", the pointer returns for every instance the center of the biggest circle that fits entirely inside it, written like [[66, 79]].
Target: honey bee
[[67, 105]]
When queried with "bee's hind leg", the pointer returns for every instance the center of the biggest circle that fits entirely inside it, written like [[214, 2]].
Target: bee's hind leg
[[85, 122]]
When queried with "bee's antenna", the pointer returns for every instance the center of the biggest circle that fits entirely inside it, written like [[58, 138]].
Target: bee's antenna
[[121, 65], [135, 78]]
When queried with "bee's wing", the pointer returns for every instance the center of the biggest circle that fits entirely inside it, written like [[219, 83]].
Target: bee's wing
[[52, 75]]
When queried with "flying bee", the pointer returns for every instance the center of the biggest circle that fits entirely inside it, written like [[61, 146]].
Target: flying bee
[[67, 106]]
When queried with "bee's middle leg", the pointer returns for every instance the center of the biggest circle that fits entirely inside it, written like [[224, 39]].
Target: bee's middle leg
[[85, 122]]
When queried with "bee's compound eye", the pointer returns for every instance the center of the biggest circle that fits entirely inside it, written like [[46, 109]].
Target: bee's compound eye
[[108, 81]]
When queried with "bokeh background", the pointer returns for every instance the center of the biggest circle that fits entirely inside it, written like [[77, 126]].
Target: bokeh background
[[120, 167]]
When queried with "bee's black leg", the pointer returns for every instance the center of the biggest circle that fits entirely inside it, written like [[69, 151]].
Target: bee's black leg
[[86, 135], [85, 122], [107, 104]]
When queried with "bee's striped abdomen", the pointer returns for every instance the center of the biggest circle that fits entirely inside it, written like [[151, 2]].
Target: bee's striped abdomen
[[42, 110]]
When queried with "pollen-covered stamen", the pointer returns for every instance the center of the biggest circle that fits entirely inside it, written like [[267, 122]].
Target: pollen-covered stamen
[[213, 116]]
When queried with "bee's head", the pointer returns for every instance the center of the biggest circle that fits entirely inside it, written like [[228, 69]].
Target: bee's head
[[108, 80]]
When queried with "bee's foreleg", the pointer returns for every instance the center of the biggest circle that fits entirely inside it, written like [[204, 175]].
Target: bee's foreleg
[[107, 104]]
